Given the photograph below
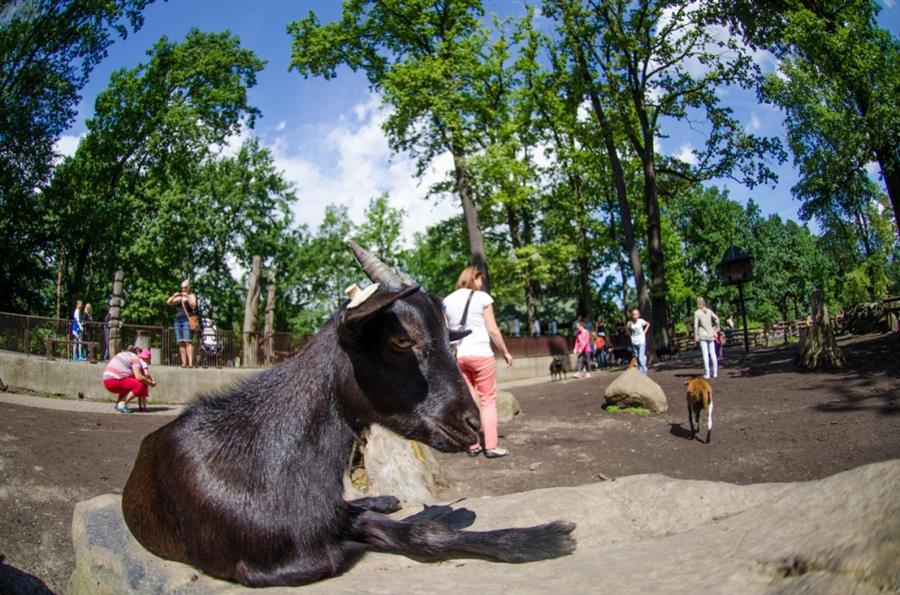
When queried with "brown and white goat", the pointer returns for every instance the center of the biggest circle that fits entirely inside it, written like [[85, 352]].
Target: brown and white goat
[[699, 398], [247, 485]]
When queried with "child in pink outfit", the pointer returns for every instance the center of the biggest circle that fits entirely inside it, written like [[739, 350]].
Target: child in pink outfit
[[582, 350]]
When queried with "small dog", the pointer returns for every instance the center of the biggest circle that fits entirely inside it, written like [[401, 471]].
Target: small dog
[[699, 397], [557, 369]]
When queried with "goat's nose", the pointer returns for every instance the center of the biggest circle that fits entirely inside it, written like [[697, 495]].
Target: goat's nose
[[473, 420]]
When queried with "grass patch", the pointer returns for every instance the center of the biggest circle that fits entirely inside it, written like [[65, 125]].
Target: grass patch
[[629, 410]]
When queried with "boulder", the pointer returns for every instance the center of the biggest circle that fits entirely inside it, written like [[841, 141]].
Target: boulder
[[507, 406], [396, 466], [636, 535], [634, 389]]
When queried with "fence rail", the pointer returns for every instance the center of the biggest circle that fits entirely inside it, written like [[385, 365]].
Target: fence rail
[[53, 337]]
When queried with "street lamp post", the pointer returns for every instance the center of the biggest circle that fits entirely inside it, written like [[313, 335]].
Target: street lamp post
[[736, 268]]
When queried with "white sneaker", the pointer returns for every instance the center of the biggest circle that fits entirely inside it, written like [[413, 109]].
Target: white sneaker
[[493, 453]]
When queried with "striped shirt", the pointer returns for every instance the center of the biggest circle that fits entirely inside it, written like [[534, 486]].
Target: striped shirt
[[121, 366]]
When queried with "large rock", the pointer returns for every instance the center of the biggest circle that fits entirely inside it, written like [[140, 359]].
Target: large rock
[[634, 389], [399, 467], [507, 406], [636, 535]]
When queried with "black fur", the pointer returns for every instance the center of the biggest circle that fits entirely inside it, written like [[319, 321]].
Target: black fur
[[557, 368], [247, 485]]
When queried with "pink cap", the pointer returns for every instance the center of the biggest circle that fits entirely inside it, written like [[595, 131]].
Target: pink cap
[[145, 354]]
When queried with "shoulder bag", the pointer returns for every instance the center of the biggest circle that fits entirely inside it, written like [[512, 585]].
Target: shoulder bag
[[193, 319]]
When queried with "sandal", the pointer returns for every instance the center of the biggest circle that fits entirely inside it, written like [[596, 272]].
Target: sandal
[[474, 452]]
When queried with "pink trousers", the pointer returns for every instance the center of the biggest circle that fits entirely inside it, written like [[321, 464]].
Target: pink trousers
[[481, 376]]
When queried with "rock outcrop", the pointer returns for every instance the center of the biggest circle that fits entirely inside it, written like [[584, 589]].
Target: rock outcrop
[[636, 535], [634, 389], [507, 406]]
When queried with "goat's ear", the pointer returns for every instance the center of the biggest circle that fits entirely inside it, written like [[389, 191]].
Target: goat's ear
[[352, 319], [458, 334]]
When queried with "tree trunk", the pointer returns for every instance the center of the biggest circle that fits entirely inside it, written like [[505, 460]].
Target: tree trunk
[[659, 311], [628, 236], [532, 287], [269, 328], [115, 312], [585, 307], [251, 314], [818, 347], [476, 238], [60, 265], [891, 175], [515, 238]]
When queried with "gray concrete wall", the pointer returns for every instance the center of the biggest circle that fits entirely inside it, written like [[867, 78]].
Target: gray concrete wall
[[175, 384]]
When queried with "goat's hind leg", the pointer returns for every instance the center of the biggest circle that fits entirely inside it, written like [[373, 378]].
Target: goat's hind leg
[[691, 420], [436, 540], [326, 562]]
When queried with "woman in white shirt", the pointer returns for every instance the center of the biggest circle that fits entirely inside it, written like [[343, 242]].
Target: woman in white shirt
[[474, 354]]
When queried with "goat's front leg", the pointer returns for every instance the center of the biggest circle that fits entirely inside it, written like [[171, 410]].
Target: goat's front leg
[[382, 504], [434, 540]]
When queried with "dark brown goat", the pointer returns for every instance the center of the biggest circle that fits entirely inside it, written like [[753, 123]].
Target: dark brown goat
[[247, 485]]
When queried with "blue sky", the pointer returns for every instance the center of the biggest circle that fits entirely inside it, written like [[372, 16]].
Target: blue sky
[[326, 135]]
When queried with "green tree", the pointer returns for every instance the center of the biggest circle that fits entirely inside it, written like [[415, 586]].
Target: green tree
[[381, 231], [639, 57], [48, 49], [428, 60], [321, 270], [838, 82], [134, 173]]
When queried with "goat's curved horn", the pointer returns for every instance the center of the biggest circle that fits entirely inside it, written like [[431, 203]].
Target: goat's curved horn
[[377, 271]]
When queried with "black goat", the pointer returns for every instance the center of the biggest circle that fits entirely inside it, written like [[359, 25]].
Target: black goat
[[247, 485]]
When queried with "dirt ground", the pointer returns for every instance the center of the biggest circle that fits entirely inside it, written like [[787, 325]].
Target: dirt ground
[[772, 424]]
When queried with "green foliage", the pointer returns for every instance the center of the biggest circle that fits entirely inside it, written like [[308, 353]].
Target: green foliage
[[140, 189], [48, 49], [838, 83], [629, 410]]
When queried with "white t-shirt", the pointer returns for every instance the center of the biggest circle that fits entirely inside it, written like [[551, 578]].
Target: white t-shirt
[[636, 328], [478, 343]]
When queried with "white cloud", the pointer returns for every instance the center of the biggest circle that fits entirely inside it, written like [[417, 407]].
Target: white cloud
[[281, 125], [350, 163], [67, 145], [755, 123], [686, 153]]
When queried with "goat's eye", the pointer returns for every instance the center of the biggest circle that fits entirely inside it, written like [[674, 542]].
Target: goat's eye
[[401, 343]]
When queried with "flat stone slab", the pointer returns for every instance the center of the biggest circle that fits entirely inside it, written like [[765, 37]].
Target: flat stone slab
[[636, 535]]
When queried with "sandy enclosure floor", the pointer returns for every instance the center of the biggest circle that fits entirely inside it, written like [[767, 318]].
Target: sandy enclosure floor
[[772, 424]]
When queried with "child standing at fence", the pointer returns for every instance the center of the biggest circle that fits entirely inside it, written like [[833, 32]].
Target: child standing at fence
[[77, 333]]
